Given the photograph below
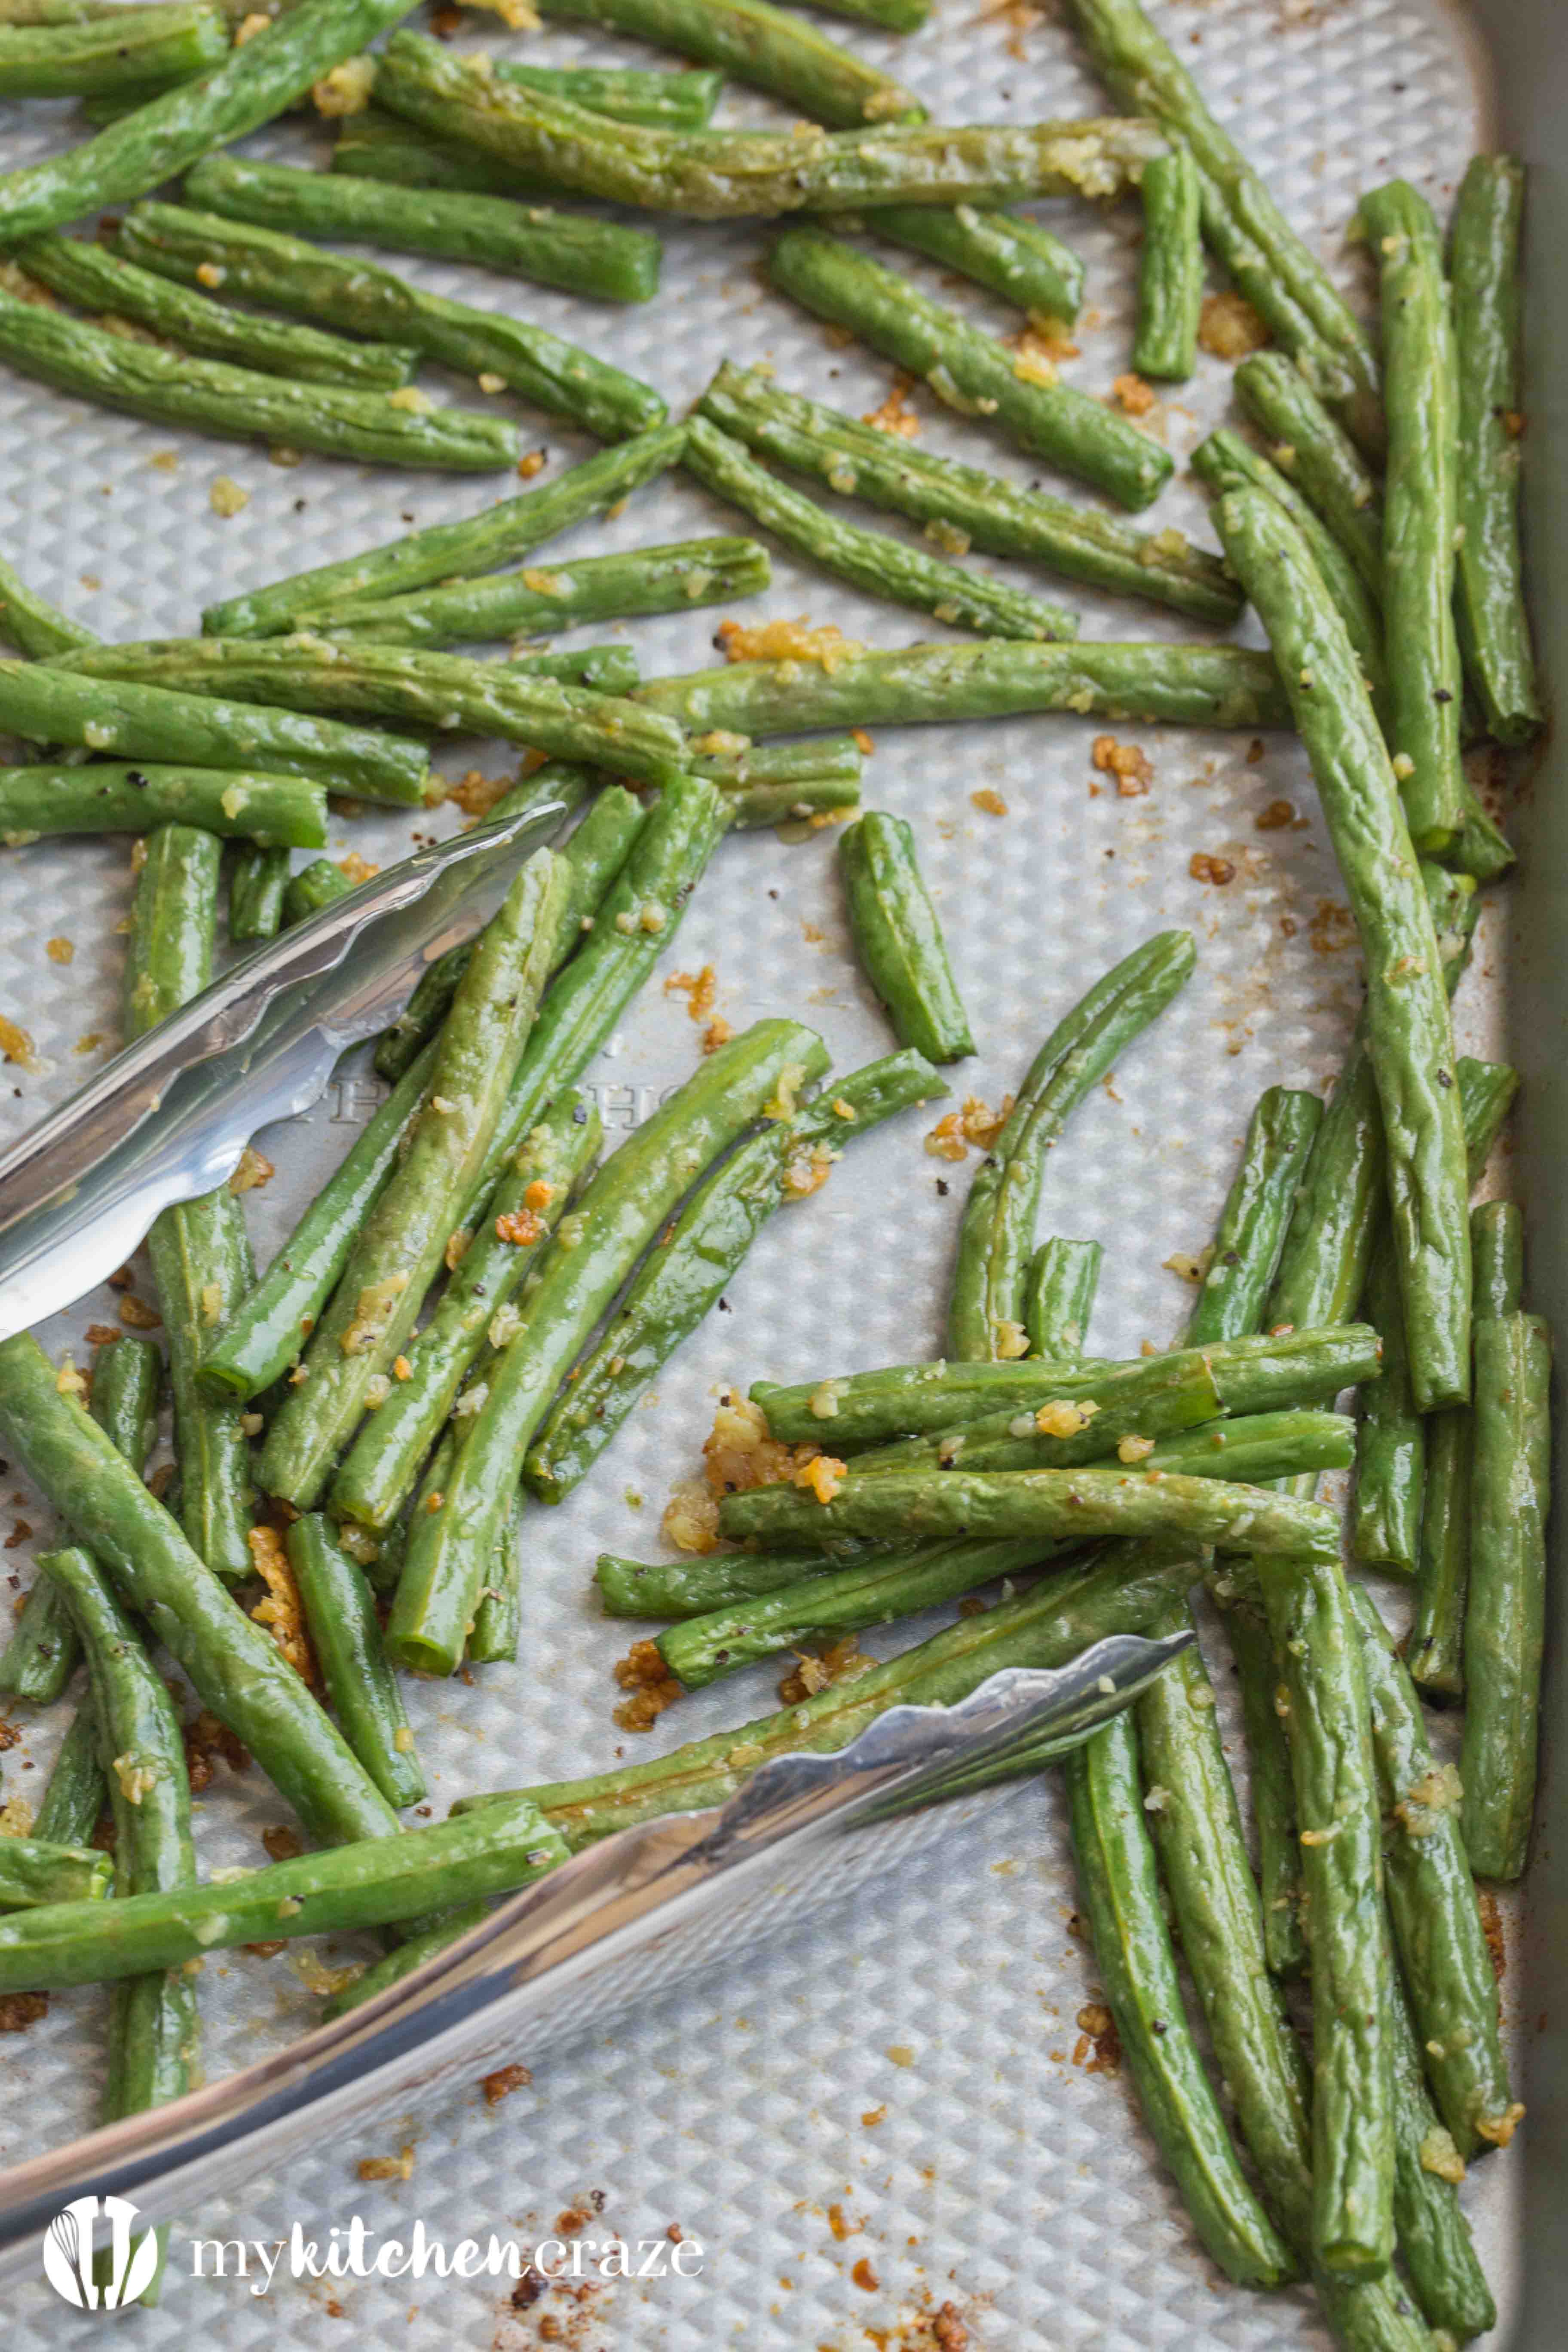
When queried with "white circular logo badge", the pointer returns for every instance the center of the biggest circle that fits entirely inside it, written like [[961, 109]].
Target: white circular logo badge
[[124, 2270]]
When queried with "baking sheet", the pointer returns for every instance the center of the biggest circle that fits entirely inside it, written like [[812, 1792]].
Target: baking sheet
[[882, 2113]]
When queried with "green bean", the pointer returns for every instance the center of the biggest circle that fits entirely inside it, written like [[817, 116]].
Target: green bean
[[595, 259], [32, 1873], [1323, 1687], [958, 503], [1435, 2242], [199, 1249], [375, 145], [594, 856], [275, 812], [1275, 268], [42, 1653], [99, 280], [127, 1381], [1443, 1568], [158, 45], [1170, 268], [414, 1950], [320, 884], [967, 369], [372, 1883], [1504, 1615], [1409, 1034], [1268, 1762], [1198, 1838], [1497, 1255], [59, 706], [497, 1620], [171, 388], [253, 84], [1322, 1268], [1192, 686], [257, 881], [1257, 1213], [771, 48], [898, 938], [1151, 1399], [805, 1599], [1225, 462], [32, 623], [233, 1665], [537, 602], [1054, 1622], [1059, 1504], [636, 922], [664, 100], [75, 1794], [1494, 631], [1443, 1952], [535, 1192], [423, 559], [287, 274], [868, 560], [398, 1251], [984, 1317], [361, 1688], [1119, 1887], [621, 1212], [154, 2026], [1254, 1374], [836, 758], [785, 806], [442, 692], [1058, 1297], [1391, 1441], [680, 1281], [1320, 459], [1480, 847], [1420, 523], [610, 670], [753, 174], [1013, 257]]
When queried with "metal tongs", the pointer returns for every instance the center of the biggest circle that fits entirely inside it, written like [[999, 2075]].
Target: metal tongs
[[609, 1928], [167, 1119]]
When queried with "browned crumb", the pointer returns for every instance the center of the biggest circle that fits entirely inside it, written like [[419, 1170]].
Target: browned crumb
[[948, 2331], [1491, 1929], [700, 989], [1133, 394], [1097, 2043], [895, 415], [225, 498], [477, 793], [573, 2220], [138, 1315], [100, 1335], [533, 463], [740, 1452], [862, 741], [20, 2010], [806, 1173], [21, 1532], [787, 641], [17, 1046], [9, 1735], [990, 803], [1331, 929], [531, 2286], [643, 1673], [254, 1170], [1126, 762], [1276, 816], [88, 1042], [843, 1661], [356, 868], [125, 1279], [519, 1226], [975, 1124], [388, 2168], [874, 2116], [718, 1033], [865, 2276], [280, 1841], [1228, 327], [279, 1610], [59, 950], [206, 1738], [503, 2083], [821, 1476], [1204, 869]]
